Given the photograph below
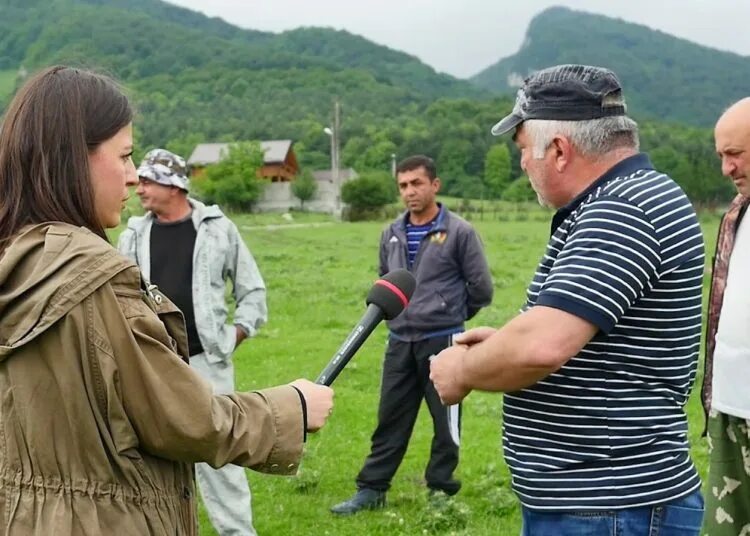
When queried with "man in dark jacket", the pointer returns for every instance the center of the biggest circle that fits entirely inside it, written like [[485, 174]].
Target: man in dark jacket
[[453, 283]]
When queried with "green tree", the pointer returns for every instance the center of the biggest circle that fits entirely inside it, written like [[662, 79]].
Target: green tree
[[497, 170], [468, 187], [304, 188], [372, 190], [185, 144], [232, 182], [453, 157], [519, 191]]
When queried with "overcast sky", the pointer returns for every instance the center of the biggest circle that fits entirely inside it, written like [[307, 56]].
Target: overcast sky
[[462, 37]]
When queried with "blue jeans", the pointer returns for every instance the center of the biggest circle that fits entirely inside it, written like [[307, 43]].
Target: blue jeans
[[682, 517]]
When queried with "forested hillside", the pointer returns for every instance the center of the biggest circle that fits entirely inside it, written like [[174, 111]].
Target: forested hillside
[[665, 77], [196, 79]]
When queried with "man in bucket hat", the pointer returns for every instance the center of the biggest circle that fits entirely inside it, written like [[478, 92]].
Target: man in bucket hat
[[187, 249], [598, 366], [165, 168]]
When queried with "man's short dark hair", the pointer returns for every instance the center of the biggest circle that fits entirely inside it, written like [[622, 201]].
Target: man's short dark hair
[[417, 161]]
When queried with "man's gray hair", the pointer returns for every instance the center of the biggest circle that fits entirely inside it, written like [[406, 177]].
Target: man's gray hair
[[592, 138]]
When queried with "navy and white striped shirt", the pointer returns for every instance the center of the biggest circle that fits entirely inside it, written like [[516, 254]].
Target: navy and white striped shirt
[[414, 236], [608, 430]]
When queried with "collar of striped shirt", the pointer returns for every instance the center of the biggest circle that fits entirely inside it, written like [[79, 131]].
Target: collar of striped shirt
[[624, 167], [438, 220]]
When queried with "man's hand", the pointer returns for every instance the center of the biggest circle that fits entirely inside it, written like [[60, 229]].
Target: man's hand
[[474, 336], [446, 373], [319, 402], [240, 336]]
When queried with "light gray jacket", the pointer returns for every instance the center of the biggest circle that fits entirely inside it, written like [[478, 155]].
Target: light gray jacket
[[219, 254]]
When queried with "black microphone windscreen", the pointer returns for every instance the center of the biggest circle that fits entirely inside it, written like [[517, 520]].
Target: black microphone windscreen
[[392, 292]]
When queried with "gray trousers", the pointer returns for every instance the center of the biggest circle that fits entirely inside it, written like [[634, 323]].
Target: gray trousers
[[225, 491]]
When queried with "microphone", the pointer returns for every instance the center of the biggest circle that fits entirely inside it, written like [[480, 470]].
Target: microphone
[[386, 299]]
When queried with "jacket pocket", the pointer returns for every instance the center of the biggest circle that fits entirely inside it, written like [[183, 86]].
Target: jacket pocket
[[431, 309], [105, 384]]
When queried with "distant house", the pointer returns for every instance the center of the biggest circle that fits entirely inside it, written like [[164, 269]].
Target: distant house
[[326, 175], [279, 161], [327, 197]]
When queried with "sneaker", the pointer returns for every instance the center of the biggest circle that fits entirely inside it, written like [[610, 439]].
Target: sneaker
[[364, 499]]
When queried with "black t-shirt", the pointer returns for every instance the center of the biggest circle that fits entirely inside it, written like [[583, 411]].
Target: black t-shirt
[[172, 246]]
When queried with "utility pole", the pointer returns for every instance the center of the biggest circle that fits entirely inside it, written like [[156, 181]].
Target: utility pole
[[334, 131], [337, 146]]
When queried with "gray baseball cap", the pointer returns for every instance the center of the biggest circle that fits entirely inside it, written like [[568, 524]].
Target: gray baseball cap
[[164, 167], [565, 93]]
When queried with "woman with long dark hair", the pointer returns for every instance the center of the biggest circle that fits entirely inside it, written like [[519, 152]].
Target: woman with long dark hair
[[101, 418]]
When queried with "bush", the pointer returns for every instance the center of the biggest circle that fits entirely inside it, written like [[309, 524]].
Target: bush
[[468, 188], [304, 188], [519, 191], [363, 214], [370, 191], [232, 182]]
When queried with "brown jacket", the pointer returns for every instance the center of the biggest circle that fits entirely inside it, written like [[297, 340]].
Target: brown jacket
[[100, 418]]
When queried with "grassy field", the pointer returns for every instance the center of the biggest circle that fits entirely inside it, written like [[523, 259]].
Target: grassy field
[[317, 275]]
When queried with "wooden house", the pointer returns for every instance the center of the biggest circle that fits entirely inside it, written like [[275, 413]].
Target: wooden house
[[279, 161]]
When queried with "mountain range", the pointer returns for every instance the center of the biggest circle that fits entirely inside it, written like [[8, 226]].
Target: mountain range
[[197, 79], [664, 77]]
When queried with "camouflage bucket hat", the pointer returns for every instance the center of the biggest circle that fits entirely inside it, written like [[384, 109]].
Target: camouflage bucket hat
[[164, 167]]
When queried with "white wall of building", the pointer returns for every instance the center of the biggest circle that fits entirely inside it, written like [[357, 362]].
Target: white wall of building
[[278, 196]]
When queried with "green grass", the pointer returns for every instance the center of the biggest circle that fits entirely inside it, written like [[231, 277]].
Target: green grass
[[317, 278]]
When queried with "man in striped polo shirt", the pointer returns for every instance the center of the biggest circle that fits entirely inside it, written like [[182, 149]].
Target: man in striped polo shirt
[[600, 362]]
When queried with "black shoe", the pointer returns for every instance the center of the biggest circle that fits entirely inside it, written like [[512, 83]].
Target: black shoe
[[364, 499]]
